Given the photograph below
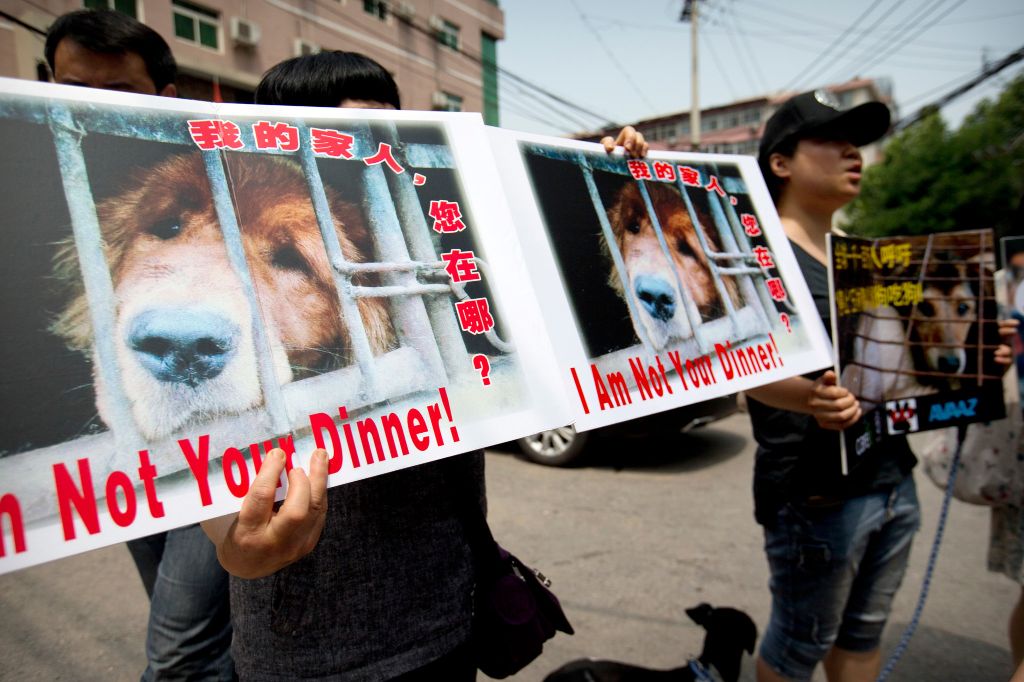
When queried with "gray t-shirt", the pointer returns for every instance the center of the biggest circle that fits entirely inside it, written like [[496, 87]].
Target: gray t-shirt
[[387, 590]]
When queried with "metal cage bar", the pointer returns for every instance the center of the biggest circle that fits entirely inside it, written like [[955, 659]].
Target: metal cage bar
[[272, 397], [99, 287], [440, 313]]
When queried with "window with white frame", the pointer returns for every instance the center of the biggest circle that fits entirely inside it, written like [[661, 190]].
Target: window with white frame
[[196, 24], [446, 101], [378, 8], [129, 7], [448, 34]]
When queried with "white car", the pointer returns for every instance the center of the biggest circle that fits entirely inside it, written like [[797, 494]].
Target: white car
[[565, 447]]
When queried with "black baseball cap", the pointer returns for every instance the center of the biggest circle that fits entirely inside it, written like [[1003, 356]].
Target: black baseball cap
[[817, 113]]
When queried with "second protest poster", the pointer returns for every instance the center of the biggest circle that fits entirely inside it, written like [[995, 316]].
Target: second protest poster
[[663, 281]]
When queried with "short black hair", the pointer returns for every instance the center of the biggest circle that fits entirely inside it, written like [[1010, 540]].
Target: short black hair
[[325, 79], [786, 147], [111, 32]]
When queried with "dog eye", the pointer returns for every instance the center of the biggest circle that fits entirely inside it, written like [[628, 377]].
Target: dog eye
[[926, 308], [963, 308], [165, 229], [683, 247], [288, 258], [634, 228]]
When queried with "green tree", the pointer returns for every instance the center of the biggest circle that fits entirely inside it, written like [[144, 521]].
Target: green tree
[[936, 180]]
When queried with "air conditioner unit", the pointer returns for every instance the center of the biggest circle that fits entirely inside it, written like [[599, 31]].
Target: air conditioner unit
[[437, 24], [403, 10], [245, 32], [439, 100], [301, 47]]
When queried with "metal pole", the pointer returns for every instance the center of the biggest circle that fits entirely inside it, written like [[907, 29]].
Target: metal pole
[[694, 87]]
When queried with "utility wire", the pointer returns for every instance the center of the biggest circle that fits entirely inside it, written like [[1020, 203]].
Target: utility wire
[[611, 57], [717, 61], [842, 36], [478, 59], [897, 44], [21, 23], [987, 73], [738, 29]]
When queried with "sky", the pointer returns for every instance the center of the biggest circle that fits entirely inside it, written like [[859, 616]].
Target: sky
[[625, 61]]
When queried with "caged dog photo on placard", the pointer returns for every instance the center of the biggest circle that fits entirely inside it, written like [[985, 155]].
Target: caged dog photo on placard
[[167, 290], [659, 264], [939, 339]]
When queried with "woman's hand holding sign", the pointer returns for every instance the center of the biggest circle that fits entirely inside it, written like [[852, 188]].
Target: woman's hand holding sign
[[834, 407], [260, 540]]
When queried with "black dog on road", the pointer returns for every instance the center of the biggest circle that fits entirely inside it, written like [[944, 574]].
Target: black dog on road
[[729, 633]]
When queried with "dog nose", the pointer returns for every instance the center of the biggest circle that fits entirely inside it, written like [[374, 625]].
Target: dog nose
[[182, 346], [656, 296], [950, 364]]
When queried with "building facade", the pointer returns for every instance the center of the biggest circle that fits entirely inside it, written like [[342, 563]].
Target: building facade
[[736, 128], [442, 53]]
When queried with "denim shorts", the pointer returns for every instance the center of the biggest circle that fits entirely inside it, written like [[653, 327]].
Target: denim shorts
[[834, 571]]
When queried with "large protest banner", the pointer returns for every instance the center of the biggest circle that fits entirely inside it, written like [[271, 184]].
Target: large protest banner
[[666, 281], [915, 324], [191, 284]]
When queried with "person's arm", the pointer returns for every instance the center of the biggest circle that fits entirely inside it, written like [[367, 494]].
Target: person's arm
[[629, 139], [258, 540], [833, 407]]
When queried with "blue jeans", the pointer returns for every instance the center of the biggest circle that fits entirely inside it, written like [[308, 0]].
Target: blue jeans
[[834, 571], [189, 631]]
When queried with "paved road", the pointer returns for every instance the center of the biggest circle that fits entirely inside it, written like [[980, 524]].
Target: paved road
[[629, 542]]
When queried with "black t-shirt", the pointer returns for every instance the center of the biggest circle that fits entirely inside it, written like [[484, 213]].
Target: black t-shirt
[[796, 458]]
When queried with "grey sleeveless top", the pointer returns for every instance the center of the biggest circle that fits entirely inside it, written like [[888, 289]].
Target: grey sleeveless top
[[387, 590]]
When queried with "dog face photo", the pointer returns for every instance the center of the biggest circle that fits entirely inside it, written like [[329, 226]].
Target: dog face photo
[[183, 332], [202, 325], [916, 322], [652, 263], [663, 286]]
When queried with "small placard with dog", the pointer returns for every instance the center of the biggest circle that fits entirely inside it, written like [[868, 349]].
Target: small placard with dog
[[915, 322]]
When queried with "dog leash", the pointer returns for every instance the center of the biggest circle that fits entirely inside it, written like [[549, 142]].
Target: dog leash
[[700, 673], [940, 528]]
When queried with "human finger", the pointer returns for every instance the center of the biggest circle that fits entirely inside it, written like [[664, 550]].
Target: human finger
[[258, 505], [609, 143], [318, 480], [640, 146], [293, 514]]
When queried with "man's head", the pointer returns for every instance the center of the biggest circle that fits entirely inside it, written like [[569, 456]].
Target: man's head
[[815, 117], [329, 79], [110, 50]]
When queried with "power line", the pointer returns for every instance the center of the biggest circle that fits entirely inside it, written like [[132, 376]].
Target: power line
[[832, 46], [821, 65], [611, 56], [737, 28], [478, 59], [896, 45], [718, 65], [21, 23], [987, 73]]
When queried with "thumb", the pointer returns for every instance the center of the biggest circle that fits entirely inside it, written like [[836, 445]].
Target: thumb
[[828, 378]]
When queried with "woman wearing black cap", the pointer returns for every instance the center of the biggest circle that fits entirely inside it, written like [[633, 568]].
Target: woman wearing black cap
[[837, 546]]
